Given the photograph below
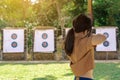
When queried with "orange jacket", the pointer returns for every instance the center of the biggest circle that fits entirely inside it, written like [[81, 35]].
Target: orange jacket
[[82, 57]]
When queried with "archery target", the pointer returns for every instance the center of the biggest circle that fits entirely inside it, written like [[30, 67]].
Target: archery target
[[110, 43], [13, 40], [44, 41]]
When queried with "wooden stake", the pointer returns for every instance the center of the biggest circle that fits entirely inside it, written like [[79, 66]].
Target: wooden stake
[[90, 13]]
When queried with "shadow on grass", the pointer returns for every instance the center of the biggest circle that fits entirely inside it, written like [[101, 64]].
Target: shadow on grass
[[47, 77]]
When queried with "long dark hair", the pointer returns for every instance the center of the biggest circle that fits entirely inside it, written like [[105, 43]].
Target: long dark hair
[[80, 24]]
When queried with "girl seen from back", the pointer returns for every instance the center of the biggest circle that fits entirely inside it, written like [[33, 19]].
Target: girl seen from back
[[79, 47]]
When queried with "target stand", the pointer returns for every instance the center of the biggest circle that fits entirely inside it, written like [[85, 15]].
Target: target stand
[[109, 45], [13, 44], [44, 43]]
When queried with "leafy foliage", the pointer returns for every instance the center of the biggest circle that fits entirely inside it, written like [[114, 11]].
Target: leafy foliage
[[80, 6], [14, 12], [101, 13], [57, 13], [46, 12], [106, 12]]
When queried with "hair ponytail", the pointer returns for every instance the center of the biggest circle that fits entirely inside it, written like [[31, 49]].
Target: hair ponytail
[[80, 24], [69, 42]]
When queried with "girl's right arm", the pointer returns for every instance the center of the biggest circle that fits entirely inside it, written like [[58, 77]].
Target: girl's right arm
[[97, 39]]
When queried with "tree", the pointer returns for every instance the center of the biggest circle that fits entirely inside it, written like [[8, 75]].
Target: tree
[[79, 6], [102, 12], [15, 12], [72, 8], [45, 12], [115, 13]]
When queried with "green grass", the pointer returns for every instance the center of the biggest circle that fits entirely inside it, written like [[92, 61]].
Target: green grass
[[55, 71]]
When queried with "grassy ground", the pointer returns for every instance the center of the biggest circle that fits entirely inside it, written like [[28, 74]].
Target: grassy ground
[[55, 71]]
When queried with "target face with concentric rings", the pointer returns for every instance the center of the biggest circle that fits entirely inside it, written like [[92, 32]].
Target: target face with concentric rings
[[44, 35], [45, 44], [14, 36]]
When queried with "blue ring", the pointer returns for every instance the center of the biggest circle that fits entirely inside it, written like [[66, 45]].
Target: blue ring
[[44, 44], [14, 44], [14, 36], [44, 36], [106, 43]]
